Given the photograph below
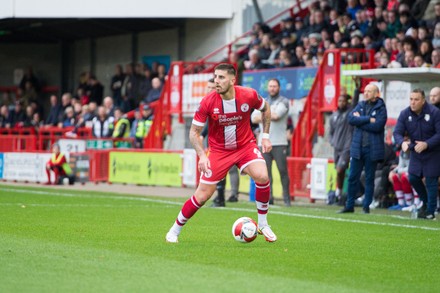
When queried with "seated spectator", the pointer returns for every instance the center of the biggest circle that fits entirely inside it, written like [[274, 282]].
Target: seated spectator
[[299, 54], [314, 40], [77, 106], [286, 42], [36, 121], [29, 115], [409, 59], [69, 118], [352, 7], [419, 62], [402, 188], [423, 34], [134, 124], [436, 38], [337, 39], [102, 124], [275, 48], [264, 48], [319, 22], [18, 116], [407, 21], [5, 118], [254, 62], [286, 25], [286, 59], [361, 21], [384, 60], [308, 60], [433, 22], [394, 24], [155, 92], [299, 29], [435, 58], [54, 112], [109, 106]]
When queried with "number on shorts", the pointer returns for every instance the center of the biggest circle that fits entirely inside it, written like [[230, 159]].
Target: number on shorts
[[258, 153]]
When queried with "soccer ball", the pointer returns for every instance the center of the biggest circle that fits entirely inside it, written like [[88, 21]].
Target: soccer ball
[[245, 230]]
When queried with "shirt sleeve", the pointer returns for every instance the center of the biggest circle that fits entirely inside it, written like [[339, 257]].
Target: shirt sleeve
[[201, 114]]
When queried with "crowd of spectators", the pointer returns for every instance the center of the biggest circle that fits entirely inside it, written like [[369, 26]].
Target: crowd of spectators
[[393, 29], [134, 89]]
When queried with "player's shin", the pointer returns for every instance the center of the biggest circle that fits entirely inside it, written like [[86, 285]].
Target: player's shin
[[262, 195], [190, 207]]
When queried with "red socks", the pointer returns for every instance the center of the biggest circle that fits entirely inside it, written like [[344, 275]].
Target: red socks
[[190, 207], [262, 195]]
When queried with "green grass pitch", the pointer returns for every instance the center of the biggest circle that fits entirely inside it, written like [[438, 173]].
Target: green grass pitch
[[55, 240]]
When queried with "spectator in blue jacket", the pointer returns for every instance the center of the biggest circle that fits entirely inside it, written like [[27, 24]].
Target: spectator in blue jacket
[[421, 121], [367, 146]]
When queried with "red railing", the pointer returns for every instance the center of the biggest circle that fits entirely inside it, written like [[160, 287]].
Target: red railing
[[322, 98], [99, 165], [18, 143]]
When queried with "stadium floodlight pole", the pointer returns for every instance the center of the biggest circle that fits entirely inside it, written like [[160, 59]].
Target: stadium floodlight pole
[[258, 11]]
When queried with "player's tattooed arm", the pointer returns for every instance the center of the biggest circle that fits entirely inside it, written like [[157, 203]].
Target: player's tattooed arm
[[265, 117], [194, 137]]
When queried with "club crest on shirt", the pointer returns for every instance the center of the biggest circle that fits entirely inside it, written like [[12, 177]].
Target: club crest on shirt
[[245, 107], [427, 117], [208, 173], [409, 118], [373, 114]]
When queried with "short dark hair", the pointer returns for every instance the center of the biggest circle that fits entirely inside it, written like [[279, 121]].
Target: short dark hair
[[346, 97], [419, 91], [276, 80], [228, 67]]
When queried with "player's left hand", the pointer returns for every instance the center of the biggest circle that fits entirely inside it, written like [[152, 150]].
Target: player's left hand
[[266, 145]]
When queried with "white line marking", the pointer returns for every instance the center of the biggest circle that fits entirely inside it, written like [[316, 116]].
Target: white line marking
[[337, 219]]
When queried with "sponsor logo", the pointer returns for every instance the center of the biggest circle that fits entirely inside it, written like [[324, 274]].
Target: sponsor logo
[[216, 111], [245, 107], [232, 120]]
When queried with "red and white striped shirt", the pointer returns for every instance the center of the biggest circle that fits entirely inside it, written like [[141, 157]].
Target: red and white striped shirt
[[228, 120]]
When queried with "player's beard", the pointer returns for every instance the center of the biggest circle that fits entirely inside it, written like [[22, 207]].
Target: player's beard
[[222, 91]]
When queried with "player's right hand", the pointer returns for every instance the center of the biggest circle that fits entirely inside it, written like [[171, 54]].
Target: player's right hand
[[204, 164]]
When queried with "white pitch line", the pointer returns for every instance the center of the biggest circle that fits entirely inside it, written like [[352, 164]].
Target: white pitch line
[[337, 219]]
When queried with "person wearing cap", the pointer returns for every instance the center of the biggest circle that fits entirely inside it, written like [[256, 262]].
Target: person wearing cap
[[143, 126], [58, 164], [299, 29], [287, 25]]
